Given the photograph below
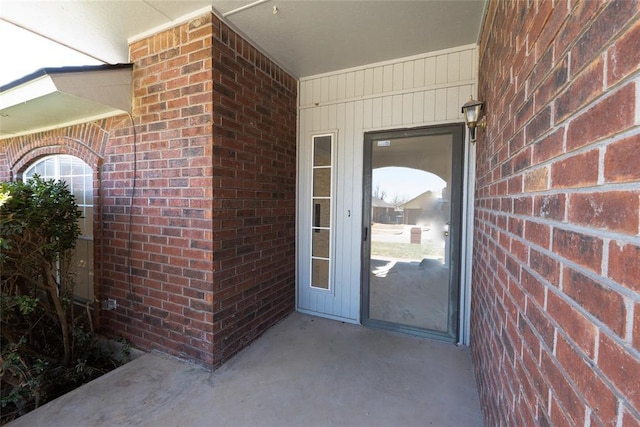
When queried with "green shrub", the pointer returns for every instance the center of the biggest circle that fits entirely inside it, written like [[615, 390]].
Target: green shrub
[[46, 347]]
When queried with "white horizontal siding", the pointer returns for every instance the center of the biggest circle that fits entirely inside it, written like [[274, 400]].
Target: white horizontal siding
[[449, 71]]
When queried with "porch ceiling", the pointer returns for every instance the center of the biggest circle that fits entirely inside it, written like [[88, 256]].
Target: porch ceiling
[[306, 37]]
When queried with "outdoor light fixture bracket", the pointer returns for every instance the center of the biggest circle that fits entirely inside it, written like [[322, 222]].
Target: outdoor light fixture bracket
[[474, 117]]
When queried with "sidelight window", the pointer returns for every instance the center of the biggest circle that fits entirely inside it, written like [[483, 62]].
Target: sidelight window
[[321, 226]]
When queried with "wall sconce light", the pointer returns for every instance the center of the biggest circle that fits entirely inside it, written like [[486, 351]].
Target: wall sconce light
[[473, 117]]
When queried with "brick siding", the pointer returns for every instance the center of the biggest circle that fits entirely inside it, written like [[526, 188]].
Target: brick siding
[[556, 280], [211, 260], [254, 172], [164, 279]]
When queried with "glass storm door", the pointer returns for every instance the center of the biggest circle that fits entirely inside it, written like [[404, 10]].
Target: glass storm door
[[411, 230]]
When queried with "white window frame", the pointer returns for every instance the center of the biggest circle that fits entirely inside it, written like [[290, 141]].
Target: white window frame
[[331, 198], [85, 205]]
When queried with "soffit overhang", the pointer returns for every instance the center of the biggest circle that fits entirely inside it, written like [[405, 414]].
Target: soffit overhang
[[58, 97]]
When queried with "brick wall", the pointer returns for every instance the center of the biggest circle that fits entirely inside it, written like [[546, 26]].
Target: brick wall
[[161, 269], [254, 109], [556, 282], [201, 259], [88, 142]]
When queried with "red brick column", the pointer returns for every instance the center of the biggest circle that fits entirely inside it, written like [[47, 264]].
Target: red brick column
[[162, 274], [254, 110]]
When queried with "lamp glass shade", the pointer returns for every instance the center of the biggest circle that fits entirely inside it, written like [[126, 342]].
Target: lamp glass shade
[[472, 111]]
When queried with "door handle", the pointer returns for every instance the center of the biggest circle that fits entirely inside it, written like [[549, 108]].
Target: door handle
[[365, 234], [316, 217]]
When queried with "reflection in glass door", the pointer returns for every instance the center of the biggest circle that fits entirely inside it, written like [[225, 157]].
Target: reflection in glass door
[[412, 188]]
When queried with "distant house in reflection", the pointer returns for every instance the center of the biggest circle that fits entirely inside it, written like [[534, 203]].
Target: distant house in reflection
[[382, 212], [422, 209]]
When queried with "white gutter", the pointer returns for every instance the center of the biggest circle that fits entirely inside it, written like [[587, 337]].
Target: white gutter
[[246, 6]]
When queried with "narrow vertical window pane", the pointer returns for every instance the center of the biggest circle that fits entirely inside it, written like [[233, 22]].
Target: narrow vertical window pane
[[322, 151], [65, 167], [88, 189], [320, 274], [77, 188], [39, 169], [78, 166], [322, 182], [50, 168], [321, 212], [88, 222], [83, 266], [320, 243]]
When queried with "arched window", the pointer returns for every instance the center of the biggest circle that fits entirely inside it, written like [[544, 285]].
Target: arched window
[[79, 177]]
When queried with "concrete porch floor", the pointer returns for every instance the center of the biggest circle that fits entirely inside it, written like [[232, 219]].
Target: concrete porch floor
[[305, 371]]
